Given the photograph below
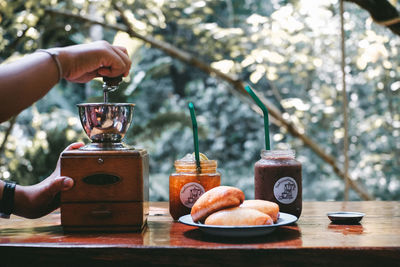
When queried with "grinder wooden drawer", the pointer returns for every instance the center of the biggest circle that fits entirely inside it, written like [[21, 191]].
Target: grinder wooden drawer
[[103, 216], [105, 176]]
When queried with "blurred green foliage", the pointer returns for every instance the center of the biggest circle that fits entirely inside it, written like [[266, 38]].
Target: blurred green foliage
[[287, 50]]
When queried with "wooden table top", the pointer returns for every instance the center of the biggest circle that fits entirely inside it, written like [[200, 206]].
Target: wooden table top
[[313, 240]]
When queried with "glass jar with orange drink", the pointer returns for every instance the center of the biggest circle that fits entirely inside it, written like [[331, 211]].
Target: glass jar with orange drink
[[188, 183]]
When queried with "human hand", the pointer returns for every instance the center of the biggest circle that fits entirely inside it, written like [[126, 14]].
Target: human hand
[[82, 63], [40, 199]]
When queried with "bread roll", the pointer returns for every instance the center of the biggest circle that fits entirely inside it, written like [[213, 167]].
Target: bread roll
[[267, 207], [238, 217], [216, 199]]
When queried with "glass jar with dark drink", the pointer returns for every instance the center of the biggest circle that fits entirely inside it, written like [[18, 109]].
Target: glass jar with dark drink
[[277, 178], [187, 184]]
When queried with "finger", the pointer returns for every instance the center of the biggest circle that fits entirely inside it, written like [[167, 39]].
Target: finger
[[113, 66], [75, 145], [59, 184], [116, 62], [121, 51], [104, 71], [86, 77], [122, 48], [70, 147], [120, 56]]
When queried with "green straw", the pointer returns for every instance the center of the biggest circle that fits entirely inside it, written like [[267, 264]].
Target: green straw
[[195, 137], [265, 111]]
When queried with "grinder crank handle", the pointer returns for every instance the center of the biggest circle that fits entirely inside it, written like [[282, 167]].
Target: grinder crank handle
[[112, 81]]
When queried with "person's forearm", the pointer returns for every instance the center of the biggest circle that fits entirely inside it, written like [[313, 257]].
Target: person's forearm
[[25, 81], [20, 200]]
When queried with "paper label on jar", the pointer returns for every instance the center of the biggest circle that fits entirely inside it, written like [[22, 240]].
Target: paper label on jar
[[190, 192], [285, 190]]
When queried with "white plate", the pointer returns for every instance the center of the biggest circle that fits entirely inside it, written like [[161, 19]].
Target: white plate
[[240, 231]]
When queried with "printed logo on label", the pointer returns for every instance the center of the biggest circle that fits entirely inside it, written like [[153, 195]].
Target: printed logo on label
[[190, 192], [285, 190]]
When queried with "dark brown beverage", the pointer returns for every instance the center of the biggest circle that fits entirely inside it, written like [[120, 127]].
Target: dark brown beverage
[[277, 178]]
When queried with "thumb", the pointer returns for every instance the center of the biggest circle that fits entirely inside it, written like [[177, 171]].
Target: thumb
[[104, 71], [61, 183]]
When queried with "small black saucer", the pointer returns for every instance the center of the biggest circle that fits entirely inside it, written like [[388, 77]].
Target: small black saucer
[[345, 217]]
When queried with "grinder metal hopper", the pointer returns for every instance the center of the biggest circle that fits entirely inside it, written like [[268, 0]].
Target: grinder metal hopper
[[111, 188], [106, 123]]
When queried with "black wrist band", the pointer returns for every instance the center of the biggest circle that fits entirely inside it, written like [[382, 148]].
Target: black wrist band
[[7, 201]]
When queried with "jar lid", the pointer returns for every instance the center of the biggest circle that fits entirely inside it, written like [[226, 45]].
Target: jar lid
[[278, 154], [188, 164], [207, 163], [345, 217]]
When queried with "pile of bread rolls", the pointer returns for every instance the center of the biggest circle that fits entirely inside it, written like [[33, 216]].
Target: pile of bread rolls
[[225, 205]]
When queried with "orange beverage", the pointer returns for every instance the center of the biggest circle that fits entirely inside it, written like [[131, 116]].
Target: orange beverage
[[186, 185]]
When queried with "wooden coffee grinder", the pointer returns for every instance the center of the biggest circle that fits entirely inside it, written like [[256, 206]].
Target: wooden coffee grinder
[[111, 179]]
